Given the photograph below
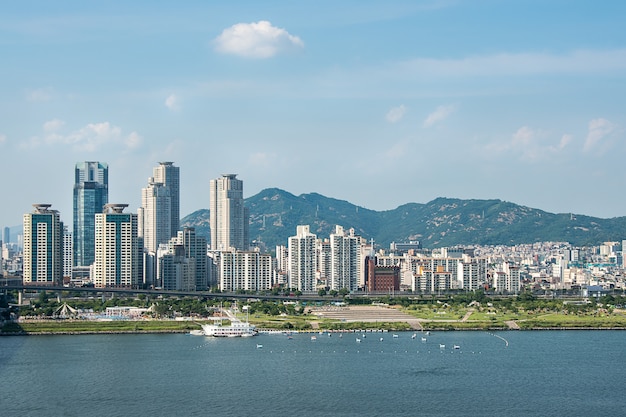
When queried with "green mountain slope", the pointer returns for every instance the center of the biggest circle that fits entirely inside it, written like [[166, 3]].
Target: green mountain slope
[[274, 215]]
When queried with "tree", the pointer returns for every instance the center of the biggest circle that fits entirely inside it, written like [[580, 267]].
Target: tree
[[321, 292]]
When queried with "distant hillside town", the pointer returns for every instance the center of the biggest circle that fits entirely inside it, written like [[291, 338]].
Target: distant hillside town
[[307, 244]]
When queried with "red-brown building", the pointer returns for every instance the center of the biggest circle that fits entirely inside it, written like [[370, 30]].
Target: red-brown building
[[381, 278]]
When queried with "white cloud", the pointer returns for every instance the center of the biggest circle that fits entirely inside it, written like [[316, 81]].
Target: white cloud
[[439, 115], [565, 140], [396, 114], [90, 138], [256, 40], [39, 95], [3, 138], [599, 131], [53, 125], [133, 140], [529, 145], [172, 102], [524, 136]]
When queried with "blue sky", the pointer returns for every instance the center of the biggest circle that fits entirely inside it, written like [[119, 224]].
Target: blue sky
[[377, 103]]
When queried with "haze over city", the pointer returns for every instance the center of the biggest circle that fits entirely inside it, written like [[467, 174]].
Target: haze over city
[[376, 103]]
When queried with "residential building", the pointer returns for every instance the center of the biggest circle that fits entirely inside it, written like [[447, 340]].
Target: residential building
[[68, 254], [91, 193], [244, 270], [303, 260], [229, 217], [154, 218], [185, 248], [169, 175], [43, 246], [118, 261], [155, 213], [176, 271], [344, 259], [324, 264]]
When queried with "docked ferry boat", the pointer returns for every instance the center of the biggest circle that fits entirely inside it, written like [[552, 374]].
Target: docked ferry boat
[[235, 329]]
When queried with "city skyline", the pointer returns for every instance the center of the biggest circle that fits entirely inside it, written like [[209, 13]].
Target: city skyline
[[378, 104]]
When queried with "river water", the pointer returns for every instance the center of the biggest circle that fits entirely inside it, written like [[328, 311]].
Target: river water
[[517, 373]]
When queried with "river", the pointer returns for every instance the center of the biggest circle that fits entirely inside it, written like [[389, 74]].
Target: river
[[515, 373]]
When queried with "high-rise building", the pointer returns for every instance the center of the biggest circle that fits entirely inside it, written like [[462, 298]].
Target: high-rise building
[[303, 260], [156, 215], [177, 272], [169, 175], [6, 235], [229, 216], [245, 270], [91, 193], [43, 246], [68, 253], [196, 248], [117, 258], [182, 255], [155, 223], [344, 260]]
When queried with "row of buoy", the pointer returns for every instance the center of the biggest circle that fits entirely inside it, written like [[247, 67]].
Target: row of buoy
[[370, 351]]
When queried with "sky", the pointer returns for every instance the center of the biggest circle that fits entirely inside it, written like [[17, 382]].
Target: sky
[[376, 103]]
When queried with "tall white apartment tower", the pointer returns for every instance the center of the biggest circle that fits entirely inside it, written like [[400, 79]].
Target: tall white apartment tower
[[68, 253], [303, 260], [169, 175], [344, 260], [118, 262], [228, 215], [43, 246], [156, 215]]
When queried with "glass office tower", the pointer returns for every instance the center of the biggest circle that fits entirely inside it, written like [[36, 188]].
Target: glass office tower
[[91, 193]]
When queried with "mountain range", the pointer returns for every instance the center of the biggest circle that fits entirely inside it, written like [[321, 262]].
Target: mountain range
[[275, 213]]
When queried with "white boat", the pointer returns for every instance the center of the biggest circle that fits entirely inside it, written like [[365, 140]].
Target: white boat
[[313, 338], [442, 346], [414, 336], [457, 347], [235, 329], [258, 346], [423, 339]]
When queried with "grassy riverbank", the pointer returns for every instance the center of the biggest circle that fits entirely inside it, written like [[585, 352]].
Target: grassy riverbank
[[311, 323], [88, 327]]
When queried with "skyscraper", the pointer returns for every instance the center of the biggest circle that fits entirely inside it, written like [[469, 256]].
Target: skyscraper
[[68, 253], [169, 175], [344, 259], [91, 193], [43, 246], [6, 235], [117, 256], [156, 215], [228, 215], [303, 260]]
